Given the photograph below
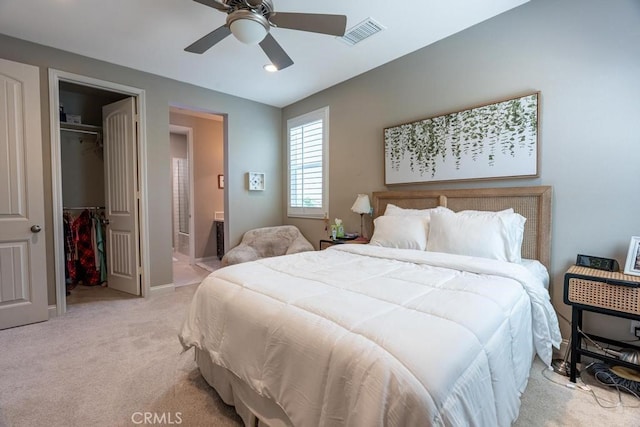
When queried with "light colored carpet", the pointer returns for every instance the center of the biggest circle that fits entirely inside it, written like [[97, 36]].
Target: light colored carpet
[[108, 360], [548, 402], [102, 363], [82, 294], [210, 264], [185, 274]]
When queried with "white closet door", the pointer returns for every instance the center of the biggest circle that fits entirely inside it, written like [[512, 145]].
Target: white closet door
[[23, 281], [120, 155]]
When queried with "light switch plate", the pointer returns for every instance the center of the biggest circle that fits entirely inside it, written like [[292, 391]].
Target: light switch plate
[[256, 181]]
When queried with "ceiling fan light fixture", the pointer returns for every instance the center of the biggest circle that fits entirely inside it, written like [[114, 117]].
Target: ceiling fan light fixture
[[248, 27]]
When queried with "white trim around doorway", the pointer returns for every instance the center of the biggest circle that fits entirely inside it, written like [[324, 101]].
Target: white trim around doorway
[[55, 76]]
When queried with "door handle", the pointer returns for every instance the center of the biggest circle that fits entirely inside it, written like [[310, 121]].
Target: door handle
[[36, 228], [106, 221]]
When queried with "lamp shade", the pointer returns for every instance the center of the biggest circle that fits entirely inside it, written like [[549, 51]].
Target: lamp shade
[[362, 204]]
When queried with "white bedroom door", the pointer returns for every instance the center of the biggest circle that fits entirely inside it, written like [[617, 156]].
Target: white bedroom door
[[122, 195], [23, 281]]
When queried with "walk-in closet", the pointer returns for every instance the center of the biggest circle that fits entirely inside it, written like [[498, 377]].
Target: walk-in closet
[[82, 155]]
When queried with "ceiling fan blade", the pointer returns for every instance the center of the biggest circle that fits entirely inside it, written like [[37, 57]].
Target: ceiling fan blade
[[334, 25], [216, 4], [206, 42], [275, 52]]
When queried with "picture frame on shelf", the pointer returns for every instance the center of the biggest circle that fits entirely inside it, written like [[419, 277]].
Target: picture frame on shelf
[[632, 266], [221, 182]]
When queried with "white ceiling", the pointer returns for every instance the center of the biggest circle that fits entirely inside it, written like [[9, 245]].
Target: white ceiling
[[150, 35]]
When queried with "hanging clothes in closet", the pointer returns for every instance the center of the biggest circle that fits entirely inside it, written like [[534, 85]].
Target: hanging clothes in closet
[[70, 254], [100, 255], [86, 265], [84, 249]]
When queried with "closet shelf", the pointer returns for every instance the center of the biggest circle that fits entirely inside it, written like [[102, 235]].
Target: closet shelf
[[81, 128]]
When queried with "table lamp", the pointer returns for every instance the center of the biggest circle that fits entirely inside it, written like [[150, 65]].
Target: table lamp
[[362, 206]]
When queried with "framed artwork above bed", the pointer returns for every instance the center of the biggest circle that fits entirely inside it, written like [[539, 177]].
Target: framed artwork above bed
[[495, 140]]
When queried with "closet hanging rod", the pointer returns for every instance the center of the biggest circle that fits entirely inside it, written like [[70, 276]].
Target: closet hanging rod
[[72, 208]]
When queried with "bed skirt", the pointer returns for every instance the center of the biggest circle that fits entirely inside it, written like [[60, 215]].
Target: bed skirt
[[254, 409]]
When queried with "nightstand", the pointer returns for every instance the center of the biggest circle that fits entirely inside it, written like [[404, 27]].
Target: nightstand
[[325, 243], [605, 292]]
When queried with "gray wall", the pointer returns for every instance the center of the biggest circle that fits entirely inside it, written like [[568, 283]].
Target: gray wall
[[253, 141], [82, 171], [584, 57]]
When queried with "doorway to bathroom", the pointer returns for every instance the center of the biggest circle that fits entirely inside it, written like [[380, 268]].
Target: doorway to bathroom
[[197, 171]]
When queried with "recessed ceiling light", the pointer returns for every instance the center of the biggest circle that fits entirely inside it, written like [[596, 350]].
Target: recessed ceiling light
[[271, 68]]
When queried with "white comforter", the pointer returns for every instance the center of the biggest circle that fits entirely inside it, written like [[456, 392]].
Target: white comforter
[[367, 336]]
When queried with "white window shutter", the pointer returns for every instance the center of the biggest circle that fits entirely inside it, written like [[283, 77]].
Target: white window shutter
[[307, 149]]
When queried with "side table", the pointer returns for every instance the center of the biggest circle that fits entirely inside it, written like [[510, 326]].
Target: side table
[[325, 243], [605, 292]]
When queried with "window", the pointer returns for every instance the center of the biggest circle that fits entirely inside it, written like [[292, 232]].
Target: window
[[307, 148]]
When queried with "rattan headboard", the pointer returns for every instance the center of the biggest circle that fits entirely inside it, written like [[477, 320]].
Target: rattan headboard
[[534, 203]]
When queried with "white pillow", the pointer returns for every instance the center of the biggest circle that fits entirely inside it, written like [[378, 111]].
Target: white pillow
[[495, 235], [402, 232], [393, 210], [471, 212]]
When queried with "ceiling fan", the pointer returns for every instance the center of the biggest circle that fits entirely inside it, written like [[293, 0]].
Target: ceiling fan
[[250, 21]]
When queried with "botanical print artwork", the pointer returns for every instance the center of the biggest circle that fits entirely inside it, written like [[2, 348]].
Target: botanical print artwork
[[492, 141]]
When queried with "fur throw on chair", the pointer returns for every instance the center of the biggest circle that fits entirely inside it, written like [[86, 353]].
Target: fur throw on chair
[[267, 242]]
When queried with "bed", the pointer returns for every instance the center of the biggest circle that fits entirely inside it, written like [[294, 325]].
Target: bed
[[394, 333]]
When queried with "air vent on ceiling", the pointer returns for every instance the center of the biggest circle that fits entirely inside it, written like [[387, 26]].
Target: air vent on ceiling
[[362, 31]]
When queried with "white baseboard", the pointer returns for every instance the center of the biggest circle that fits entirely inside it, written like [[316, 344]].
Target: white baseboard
[[162, 289], [53, 311]]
